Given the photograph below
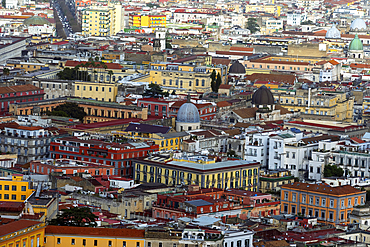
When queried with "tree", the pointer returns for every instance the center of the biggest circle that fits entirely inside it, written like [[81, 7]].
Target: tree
[[309, 22], [213, 80], [218, 81], [155, 91], [173, 92], [110, 73], [69, 109], [252, 25], [3, 3], [76, 216], [168, 45], [333, 171]]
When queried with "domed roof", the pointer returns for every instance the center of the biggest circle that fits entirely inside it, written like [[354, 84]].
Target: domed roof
[[358, 25], [237, 68], [35, 20], [188, 113], [333, 33], [263, 96], [356, 44]]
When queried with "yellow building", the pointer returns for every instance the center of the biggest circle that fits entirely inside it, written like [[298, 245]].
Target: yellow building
[[184, 77], [314, 104], [22, 233], [26, 66], [15, 189], [68, 236], [99, 91], [268, 8], [46, 204], [196, 170], [137, 20], [168, 141], [102, 20]]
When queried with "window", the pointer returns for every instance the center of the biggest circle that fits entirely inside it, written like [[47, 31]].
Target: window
[[160, 244], [317, 201], [95, 242], [23, 188], [58, 240], [73, 241], [6, 187], [14, 197], [14, 188], [149, 244], [293, 197], [23, 197], [332, 203], [124, 244], [6, 196], [109, 243], [246, 243], [286, 196], [84, 242], [323, 202]]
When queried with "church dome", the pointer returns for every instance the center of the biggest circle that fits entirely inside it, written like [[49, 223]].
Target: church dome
[[237, 68], [188, 113], [35, 20], [358, 25], [356, 44], [263, 96], [333, 33]]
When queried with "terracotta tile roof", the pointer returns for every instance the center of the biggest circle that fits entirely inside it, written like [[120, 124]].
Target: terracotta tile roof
[[223, 61], [223, 104], [236, 48], [109, 65], [316, 139], [233, 132], [323, 188], [19, 88], [283, 110], [224, 86], [89, 231], [357, 140], [242, 125], [288, 79], [246, 112], [16, 226], [333, 62]]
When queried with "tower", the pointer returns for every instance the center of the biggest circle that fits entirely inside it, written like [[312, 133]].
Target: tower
[[160, 40]]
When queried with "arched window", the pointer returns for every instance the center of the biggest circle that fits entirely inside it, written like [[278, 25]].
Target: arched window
[[170, 81], [101, 78], [114, 78], [108, 77], [164, 81], [96, 77], [203, 82], [196, 82], [119, 77]]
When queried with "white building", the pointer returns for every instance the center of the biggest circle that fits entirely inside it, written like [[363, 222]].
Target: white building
[[121, 183], [238, 239], [41, 29]]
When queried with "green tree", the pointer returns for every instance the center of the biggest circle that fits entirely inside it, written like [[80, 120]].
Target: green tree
[[155, 91], [3, 3], [252, 25], [333, 171], [218, 81], [173, 92], [213, 80], [309, 22], [6, 71], [110, 73], [76, 216], [69, 109], [168, 45]]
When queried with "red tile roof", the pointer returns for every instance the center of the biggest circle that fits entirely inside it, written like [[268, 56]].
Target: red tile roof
[[97, 65], [323, 188], [19, 88], [89, 231], [16, 226]]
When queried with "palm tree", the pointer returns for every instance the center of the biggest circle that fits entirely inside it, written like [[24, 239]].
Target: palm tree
[[110, 73], [95, 73], [77, 68]]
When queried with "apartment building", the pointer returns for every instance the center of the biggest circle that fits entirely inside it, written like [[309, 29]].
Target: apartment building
[[314, 104], [22, 233], [198, 170], [15, 189], [17, 94], [184, 77], [88, 236], [28, 142], [139, 20], [114, 154], [332, 205], [102, 20]]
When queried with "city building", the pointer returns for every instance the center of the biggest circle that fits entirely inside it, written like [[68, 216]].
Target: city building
[[102, 20], [107, 153], [28, 142], [89, 236], [19, 94], [22, 233], [154, 21], [15, 189], [332, 205], [11, 47], [198, 170]]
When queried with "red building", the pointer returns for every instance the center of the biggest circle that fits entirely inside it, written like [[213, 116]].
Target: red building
[[164, 108], [197, 202], [113, 154], [70, 167], [18, 94]]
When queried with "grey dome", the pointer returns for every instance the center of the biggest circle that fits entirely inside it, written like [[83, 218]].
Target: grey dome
[[263, 96], [358, 25], [237, 68], [188, 113], [36, 20], [333, 33]]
